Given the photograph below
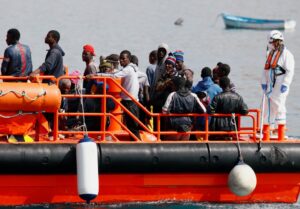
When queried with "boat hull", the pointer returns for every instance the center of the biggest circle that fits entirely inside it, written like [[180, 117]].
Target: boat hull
[[120, 188], [238, 22], [130, 172]]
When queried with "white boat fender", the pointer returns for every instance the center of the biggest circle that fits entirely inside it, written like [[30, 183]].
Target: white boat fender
[[87, 169], [242, 179]]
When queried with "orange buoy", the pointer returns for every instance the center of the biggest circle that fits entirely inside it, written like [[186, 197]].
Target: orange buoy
[[30, 97]]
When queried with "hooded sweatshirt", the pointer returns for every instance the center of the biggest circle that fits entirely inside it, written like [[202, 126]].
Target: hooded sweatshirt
[[209, 86], [53, 64], [160, 67], [184, 102]]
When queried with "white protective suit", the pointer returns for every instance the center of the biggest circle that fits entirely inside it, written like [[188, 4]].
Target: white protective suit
[[274, 108]]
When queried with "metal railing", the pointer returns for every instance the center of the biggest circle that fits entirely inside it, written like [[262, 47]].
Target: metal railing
[[251, 130]]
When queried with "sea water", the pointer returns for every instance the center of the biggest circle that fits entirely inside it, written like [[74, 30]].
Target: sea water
[[168, 205], [141, 25]]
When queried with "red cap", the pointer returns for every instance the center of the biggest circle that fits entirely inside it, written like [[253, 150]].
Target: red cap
[[89, 48]]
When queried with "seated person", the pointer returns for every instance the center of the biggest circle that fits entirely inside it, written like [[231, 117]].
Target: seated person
[[69, 86], [93, 105], [226, 102], [91, 86], [64, 87], [182, 101]]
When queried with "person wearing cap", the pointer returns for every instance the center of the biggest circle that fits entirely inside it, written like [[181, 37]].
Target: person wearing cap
[[106, 67], [165, 84], [114, 60], [163, 88], [179, 65], [276, 79], [182, 69], [88, 54]]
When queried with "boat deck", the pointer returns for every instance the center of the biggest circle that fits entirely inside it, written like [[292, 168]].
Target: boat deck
[[42, 168]]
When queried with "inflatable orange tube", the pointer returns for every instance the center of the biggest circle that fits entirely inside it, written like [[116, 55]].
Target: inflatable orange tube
[[30, 97]]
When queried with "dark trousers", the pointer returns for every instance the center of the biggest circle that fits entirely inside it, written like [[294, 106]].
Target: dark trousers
[[131, 124]]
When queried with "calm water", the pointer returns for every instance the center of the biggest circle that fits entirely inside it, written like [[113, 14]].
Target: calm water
[[140, 26], [161, 205]]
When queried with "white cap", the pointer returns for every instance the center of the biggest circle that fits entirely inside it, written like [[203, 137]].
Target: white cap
[[275, 35]]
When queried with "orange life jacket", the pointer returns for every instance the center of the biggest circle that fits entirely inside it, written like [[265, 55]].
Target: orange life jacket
[[273, 65]]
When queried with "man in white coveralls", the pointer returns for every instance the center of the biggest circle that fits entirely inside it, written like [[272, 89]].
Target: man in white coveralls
[[276, 80]]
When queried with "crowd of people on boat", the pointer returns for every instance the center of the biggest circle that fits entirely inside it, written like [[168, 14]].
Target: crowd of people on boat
[[167, 85]]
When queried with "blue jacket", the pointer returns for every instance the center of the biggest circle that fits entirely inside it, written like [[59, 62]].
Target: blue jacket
[[17, 60], [209, 86], [53, 64]]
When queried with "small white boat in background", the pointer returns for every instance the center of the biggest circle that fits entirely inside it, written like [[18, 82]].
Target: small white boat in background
[[239, 22]]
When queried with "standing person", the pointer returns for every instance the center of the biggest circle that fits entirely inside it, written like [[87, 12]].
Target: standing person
[[182, 69], [87, 56], [277, 78], [151, 68], [17, 56], [206, 90], [182, 101], [130, 82], [215, 73], [207, 84], [224, 70], [179, 65], [162, 54], [165, 84], [53, 64], [163, 88], [144, 86], [226, 102]]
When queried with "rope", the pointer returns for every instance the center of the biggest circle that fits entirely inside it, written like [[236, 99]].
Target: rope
[[237, 137], [16, 115], [261, 120], [79, 91], [23, 94]]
